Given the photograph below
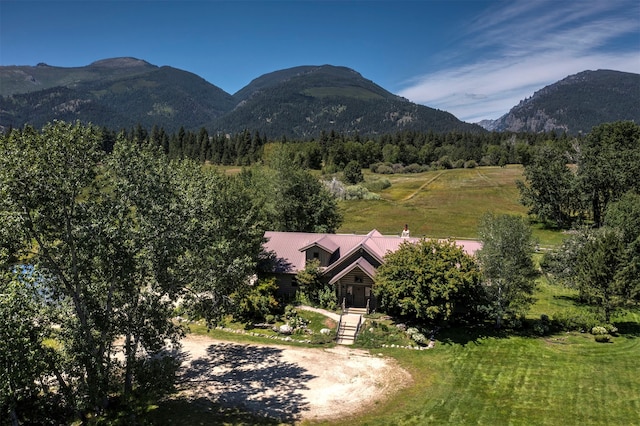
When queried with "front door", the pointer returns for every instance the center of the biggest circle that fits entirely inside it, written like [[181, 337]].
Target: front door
[[359, 300]]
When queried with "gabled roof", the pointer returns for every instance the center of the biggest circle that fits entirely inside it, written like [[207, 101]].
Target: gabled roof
[[290, 247], [324, 242], [360, 263]]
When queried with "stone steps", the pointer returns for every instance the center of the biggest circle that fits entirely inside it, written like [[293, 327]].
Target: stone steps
[[356, 311], [346, 335]]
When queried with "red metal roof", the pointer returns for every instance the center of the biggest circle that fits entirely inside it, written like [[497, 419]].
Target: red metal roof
[[289, 247]]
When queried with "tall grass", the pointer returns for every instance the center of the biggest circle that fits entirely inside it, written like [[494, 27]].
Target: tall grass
[[441, 204]]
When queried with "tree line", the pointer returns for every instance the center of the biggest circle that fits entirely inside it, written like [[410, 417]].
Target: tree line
[[590, 188], [332, 151]]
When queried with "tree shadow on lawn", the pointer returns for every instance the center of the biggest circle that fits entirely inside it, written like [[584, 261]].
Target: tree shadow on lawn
[[574, 299], [628, 329], [179, 411], [465, 335], [250, 377]]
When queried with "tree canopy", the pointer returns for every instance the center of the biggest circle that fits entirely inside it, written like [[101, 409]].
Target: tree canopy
[[429, 281], [506, 264], [607, 165], [118, 239]]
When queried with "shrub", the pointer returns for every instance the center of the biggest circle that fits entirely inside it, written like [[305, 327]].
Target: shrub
[[611, 329], [385, 170], [540, 328], [458, 164], [323, 339], [398, 168], [357, 192], [327, 298], [598, 330], [444, 162], [335, 187], [290, 312], [602, 338], [419, 338], [471, 164], [575, 319], [298, 324], [258, 302], [413, 168], [412, 330], [377, 184]]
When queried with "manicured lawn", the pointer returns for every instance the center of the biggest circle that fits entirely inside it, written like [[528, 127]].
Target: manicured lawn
[[441, 204], [564, 379], [484, 377]]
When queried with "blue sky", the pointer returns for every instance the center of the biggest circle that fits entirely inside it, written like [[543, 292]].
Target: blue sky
[[475, 59]]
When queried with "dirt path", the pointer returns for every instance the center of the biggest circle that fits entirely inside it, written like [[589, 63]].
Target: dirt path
[[287, 383], [423, 186]]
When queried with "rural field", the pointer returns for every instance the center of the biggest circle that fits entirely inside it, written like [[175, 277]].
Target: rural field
[[476, 376], [441, 204]]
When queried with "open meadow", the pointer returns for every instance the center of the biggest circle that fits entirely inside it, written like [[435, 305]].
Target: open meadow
[[441, 204]]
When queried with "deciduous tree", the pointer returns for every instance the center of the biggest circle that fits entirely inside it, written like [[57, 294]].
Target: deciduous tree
[[120, 238], [609, 165], [506, 264], [549, 190], [598, 270], [353, 173], [427, 281], [290, 198]]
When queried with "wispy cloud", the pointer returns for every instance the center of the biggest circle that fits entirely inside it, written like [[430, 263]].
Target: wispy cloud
[[524, 46]]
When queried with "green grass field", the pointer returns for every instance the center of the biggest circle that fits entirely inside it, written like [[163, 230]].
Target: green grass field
[[441, 204], [485, 377], [564, 379]]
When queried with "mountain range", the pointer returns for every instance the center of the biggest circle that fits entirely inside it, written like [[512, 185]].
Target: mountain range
[[575, 104], [298, 102]]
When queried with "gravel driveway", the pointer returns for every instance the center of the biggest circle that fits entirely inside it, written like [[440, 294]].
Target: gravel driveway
[[285, 382]]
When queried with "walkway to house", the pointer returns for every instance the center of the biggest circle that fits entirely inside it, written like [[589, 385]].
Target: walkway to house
[[349, 323], [332, 315]]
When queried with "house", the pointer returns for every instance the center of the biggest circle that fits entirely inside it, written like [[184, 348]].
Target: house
[[347, 261]]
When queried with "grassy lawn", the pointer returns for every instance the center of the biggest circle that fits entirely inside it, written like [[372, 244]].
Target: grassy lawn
[[441, 204], [484, 377], [564, 379]]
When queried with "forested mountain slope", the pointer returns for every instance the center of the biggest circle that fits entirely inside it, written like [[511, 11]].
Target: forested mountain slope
[[576, 104], [303, 101], [115, 93], [298, 102]]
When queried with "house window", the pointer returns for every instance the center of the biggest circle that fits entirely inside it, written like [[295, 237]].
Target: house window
[[316, 255], [357, 279]]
